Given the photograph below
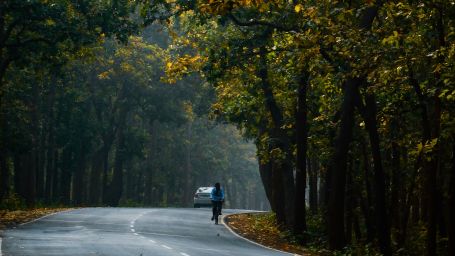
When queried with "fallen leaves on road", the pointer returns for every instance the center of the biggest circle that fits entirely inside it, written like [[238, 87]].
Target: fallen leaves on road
[[11, 218], [261, 228]]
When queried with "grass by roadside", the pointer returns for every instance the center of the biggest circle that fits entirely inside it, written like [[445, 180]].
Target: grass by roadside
[[261, 228], [10, 218]]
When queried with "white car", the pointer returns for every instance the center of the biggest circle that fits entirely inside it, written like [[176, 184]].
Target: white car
[[202, 197]]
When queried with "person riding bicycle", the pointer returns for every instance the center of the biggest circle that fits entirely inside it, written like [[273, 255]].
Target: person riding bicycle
[[217, 197]]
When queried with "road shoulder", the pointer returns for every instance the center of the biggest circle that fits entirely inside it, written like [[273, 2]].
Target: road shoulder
[[254, 227], [10, 219]]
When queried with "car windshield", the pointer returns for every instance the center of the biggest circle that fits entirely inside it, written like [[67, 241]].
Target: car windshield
[[204, 190]]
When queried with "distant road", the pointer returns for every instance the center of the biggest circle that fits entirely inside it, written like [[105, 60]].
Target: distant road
[[128, 231]]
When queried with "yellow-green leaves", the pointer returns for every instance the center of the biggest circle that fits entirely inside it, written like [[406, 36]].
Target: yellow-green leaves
[[181, 66], [392, 39]]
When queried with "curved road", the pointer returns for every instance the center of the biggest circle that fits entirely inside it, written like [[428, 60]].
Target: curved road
[[128, 231]]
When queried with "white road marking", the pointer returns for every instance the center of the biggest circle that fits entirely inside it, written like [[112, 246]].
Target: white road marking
[[132, 230], [136, 234], [149, 240], [184, 254], [45, 216], [107, 223], [64, 221], [208, 249], [167, 247], [131, 226], [163, 234]]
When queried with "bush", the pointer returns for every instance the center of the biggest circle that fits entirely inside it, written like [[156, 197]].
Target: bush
[[13, 202]]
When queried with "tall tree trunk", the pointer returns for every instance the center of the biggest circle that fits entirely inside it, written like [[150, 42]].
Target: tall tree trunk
[[105, 178], [396, 187], [188, 166], [57, 174], [337, 239], [40, 166], [383, 227], [411, 203], [356, 194], [338, 168], [432, 182], [32, 163], [313, 176], [116, 185], [367, 204], [149, 170], [322, 193], [65, 176], [29, 170], [302, 145], [280, 167], [4, 176], [79, 171], [451, 202], [95, 178], [278, 193], [433, 170], [19, 182], [51, 165], [349, 205], [265, 171]]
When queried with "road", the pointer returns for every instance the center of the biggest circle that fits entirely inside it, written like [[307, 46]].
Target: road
[[128, 231]]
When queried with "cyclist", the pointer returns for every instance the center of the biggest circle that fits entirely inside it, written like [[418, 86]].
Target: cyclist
[[217, 197]]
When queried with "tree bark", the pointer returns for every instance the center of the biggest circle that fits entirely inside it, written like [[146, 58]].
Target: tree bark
[[116, 186], [313, 183], [19, 182], [51, 164], [451, 202], [65, 177], [79, 172], [32, 163], [349, 204], [432, 184], [383, 227], [367, 204], [323, 181], [56, 179], [187, 194], [337, 239], [265, 171], [396, 187], [281, 141], [4, 176], [95, 177], [301, 163]]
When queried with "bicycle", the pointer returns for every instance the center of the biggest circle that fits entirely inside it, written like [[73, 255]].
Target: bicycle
[[216, 210]]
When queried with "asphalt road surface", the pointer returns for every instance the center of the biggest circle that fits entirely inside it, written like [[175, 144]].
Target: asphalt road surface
[[128, 231]]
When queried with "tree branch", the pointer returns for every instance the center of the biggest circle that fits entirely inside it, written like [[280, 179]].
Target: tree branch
[[252, 22]]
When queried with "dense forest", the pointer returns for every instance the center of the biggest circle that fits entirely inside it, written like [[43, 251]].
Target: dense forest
[[85, 119], [350, 105]]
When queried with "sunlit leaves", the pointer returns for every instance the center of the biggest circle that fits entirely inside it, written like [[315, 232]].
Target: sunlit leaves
[[181, 66]]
